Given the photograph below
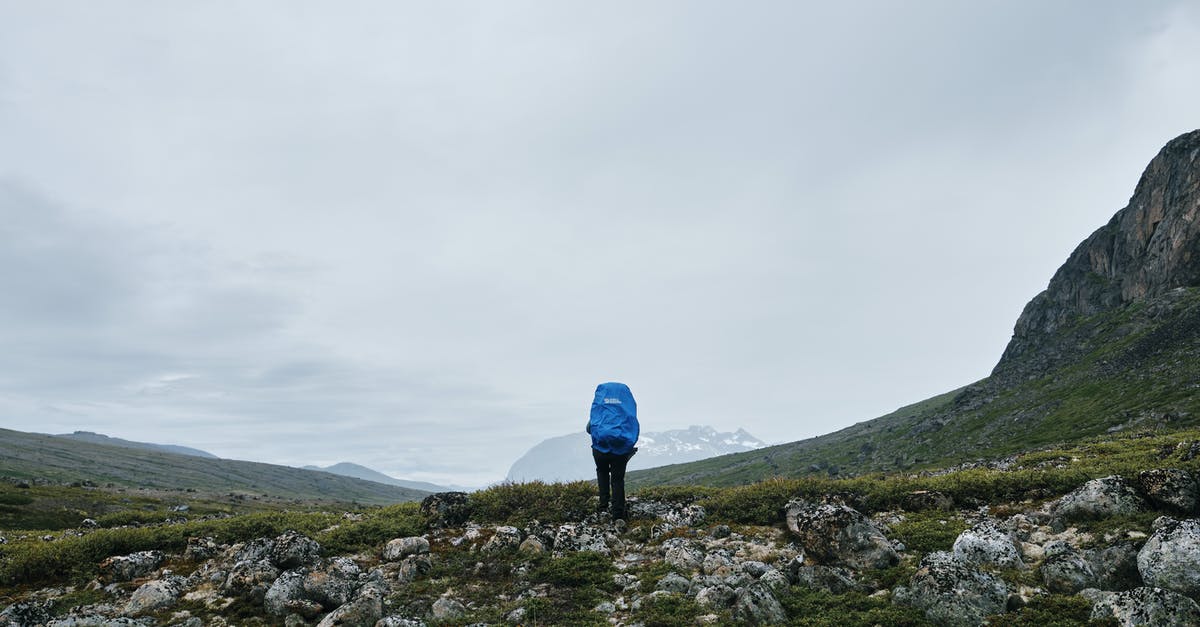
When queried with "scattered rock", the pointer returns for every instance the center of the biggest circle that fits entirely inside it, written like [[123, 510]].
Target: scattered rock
[[400, 548], [413, 567], [953, 593], [677, 514], [1116, 567], [1170, 488], [679, 554], [1171, 557], [1153, 607], [286, 596], [292, 550], [775, 580], [255, 550], [446, 608], [756, 605], [716, 596], [199, 549], [447, 509], [504, 539], [837, 535], [130, 567], [1099, 498], [532, 545], [155, 595], [829, 578], [922, 500], [580, 537], [250, 579], [1065, 570], [987, 544], [27, 613], [400, 621], [365, 609], [334, 584], [674, 582]]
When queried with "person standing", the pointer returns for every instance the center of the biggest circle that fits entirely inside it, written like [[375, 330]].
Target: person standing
[[614, 428]]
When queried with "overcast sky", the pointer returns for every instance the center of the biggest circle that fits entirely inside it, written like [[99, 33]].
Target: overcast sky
[[415, 236]]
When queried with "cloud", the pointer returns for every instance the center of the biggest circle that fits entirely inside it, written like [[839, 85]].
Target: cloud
[[416, 236]]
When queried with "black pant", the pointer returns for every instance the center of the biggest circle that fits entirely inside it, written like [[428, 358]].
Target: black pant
[[610, 472]]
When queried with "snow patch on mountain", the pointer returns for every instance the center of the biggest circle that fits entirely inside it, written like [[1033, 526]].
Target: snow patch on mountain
[[568, 457]]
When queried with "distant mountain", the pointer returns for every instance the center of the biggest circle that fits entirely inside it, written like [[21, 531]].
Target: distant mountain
[[67, 459], [99, 438], [1113, 343], [568, 457], [348, 469]]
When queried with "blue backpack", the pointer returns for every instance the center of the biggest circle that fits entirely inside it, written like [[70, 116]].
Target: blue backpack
[[614, 424]]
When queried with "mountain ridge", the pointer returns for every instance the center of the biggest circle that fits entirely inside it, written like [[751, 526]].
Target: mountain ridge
[[358, 471]]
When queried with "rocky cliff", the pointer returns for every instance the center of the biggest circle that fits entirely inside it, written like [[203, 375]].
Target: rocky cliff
[[1147, 249]]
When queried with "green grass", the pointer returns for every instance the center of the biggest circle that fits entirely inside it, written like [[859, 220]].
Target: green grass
[[675, 610], [925, 532], [520, 503]]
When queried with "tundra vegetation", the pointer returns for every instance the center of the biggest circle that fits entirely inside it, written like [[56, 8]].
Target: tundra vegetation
[[522, 553]]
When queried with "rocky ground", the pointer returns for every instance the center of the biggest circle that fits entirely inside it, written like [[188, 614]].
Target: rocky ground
[[669, 565]]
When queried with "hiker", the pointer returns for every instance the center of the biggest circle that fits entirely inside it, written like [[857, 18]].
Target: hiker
[[614, 429]]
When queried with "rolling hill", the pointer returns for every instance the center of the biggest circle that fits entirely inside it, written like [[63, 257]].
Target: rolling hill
[[53, 458], [1113, 343], [348, 469], [99, 438]]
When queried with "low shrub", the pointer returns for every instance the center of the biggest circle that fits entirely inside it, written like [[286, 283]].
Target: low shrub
[[924, 532], [1052, 611], [519, 503], [815, 608], [673, 610], [77, 557], [375, 529]]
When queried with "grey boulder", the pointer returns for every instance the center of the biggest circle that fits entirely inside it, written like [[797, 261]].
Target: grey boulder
[[987, 544], [837, 535], [1152, 607], [1171, 557], [952, 593], [1099, 498]]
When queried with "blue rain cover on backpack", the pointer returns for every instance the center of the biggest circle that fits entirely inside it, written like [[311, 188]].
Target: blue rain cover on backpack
[[614, 424]]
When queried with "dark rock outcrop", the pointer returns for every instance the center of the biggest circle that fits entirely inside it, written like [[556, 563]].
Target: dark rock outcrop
[[1148, 248]]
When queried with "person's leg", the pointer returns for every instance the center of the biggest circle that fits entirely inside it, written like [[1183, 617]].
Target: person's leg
[[617, 468], [602, 473]]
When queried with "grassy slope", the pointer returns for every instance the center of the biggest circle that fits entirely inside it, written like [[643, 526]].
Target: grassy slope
[[1135, 366], [36, 456]]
